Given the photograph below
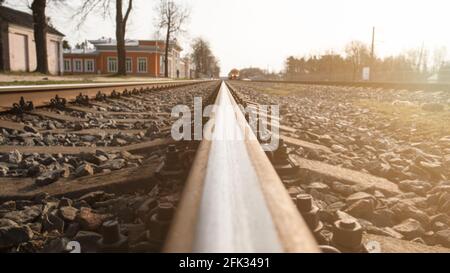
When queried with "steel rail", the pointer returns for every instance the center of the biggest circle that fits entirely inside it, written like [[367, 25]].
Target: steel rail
[[233, 200], [41, 95], [415, 86]]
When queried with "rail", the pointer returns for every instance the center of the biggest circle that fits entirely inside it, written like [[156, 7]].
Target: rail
[[233, 200], [41, 95]]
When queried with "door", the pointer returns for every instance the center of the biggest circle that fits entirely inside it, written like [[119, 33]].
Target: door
[[18, 57], [53, 57]]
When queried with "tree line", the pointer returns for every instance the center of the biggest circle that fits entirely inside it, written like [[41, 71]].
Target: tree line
[[171, 20], [415, 65]]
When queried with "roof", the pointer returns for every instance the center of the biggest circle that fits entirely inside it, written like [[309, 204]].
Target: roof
[[22, 19], [109, 42]]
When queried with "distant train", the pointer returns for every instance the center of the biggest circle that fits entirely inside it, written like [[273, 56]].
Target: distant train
[[234, 74]]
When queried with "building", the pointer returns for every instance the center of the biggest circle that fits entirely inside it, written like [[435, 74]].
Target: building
[[186, 68], [143, 58], [17, 47]]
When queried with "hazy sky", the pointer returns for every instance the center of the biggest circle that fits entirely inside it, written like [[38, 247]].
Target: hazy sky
[[262, 33]]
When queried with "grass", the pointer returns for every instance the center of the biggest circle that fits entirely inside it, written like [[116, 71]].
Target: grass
[[427, 125], [17, 83]]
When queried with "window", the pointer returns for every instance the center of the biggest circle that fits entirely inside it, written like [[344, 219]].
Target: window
[[67, 66], [129, 65], [77, 65], [89, 65], [161, 65], [112, 65], [142, 65]]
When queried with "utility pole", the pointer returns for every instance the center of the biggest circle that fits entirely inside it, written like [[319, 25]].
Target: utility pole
[[372, 54], [372, 51]]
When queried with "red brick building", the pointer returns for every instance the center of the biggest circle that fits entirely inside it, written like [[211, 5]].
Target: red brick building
[[143, 58]]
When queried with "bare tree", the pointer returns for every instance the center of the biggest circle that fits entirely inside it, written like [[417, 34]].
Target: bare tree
[[104, 6], [171, 19], [205, 62], [439, 55], [358, 53], [40, 34]]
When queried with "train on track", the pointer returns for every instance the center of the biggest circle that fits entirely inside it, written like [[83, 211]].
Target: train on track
[[234, 74]]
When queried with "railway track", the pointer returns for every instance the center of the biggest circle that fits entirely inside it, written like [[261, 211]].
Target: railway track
[[42, 95], [244, 209], [105, 167]]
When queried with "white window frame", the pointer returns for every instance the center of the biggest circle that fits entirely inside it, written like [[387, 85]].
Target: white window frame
[[86, 67], [139, 65], [131, 65], [69, 62], [108, 64], [74, 67]]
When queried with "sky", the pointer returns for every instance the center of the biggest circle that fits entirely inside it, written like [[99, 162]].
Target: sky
[[263, 33]]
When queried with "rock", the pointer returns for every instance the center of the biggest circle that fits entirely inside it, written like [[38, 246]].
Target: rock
[[52, 222], [383, 218], [392, 233], [88, 240], [65, 202], [11, 234], [28, 215], [442, 217], [419, 241], [359, 196], [433, 107], [340, 215], [68, 213], [15, 157], [47, 178], [115, 164], [379, 195], [48, 160], [389, 232], [84, 170], [128, 156], [438, 226], [404, 211], [435, 169], [35, 170], [327, 198], [326, 140], [415, 186], [94, 197], [88, 138], [65, 170], [410, 228], [318, 186], [361, 209], [338, 149], [30, 129], [4, 170], [94, 159], [78, 126], [8, 206], [443, 237], [89, 220], [56, 245], [72, 230], [342, 188], [119, 142]]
